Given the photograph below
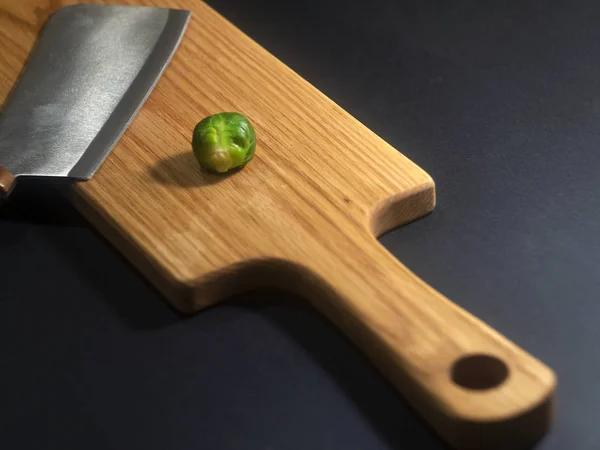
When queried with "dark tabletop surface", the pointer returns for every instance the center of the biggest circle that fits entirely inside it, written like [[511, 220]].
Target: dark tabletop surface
[[498, 101]]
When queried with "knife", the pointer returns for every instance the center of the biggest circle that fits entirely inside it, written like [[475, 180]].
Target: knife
[[90, 72]]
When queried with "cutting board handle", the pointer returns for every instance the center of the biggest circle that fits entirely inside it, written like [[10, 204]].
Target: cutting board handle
[[477, 389], [7, 182]]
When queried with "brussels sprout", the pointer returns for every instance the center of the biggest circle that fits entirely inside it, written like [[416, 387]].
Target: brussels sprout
[[223, 142]]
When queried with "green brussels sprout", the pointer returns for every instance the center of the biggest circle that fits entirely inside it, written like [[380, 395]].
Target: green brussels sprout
[[223, 142]]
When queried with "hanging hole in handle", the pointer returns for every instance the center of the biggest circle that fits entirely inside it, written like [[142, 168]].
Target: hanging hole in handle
[[479, 372]]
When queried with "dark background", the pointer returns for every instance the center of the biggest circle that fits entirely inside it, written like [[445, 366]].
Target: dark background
[[498, 101]]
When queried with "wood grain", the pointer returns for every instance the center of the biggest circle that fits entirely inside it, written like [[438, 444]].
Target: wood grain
[[303, 216]]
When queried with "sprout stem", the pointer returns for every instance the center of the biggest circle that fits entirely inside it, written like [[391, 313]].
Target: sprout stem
[[220, 160]]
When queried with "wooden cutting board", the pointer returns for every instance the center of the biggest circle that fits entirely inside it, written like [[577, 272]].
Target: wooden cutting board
[[303, 215]]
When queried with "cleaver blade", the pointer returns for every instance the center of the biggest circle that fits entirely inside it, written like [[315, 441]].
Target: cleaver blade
[[86, 78]]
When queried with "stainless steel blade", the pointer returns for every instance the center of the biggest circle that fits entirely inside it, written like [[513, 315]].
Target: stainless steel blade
[[90, 72]]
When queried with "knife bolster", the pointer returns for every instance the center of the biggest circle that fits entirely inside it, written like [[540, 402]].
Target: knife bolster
[[7, 182]]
